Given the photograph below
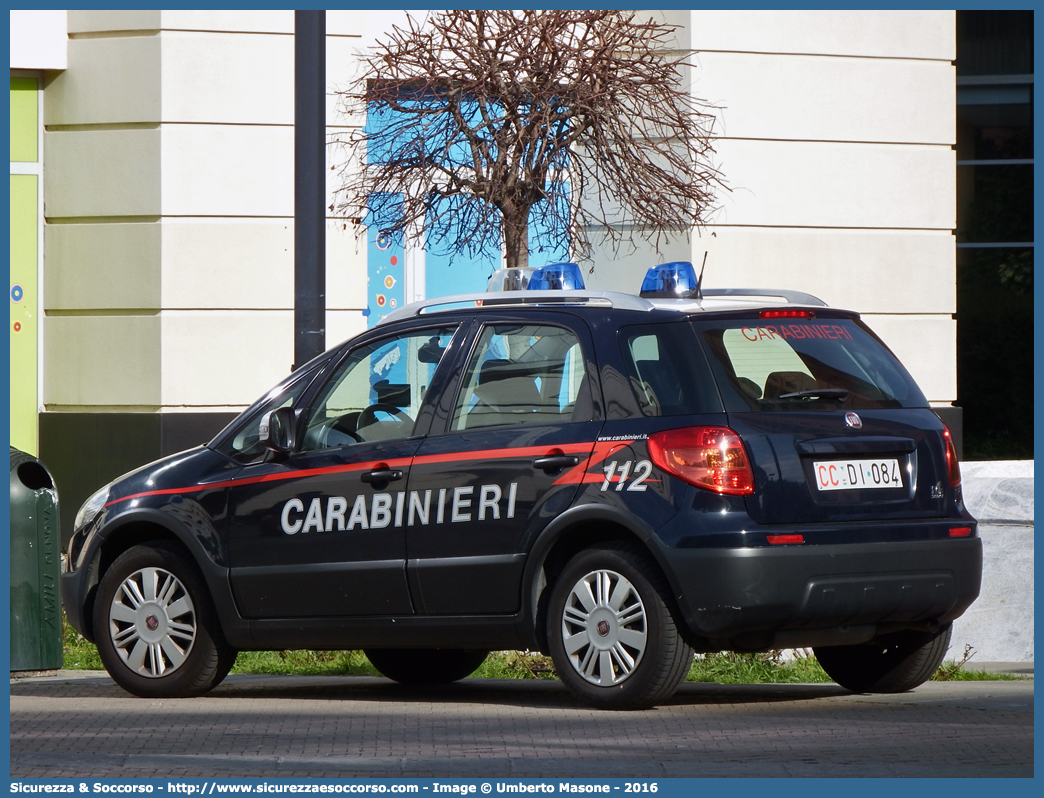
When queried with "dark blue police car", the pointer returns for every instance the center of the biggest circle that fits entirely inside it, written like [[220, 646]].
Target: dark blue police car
[[615, 480]]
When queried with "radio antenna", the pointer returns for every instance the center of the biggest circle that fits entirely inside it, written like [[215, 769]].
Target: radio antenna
[[699, 280]]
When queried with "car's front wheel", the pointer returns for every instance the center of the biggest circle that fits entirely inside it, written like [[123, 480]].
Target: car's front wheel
[[155, 628], [612, 637], [425, 665], [893, 663]]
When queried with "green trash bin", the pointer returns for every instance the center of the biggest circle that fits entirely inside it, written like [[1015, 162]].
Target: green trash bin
[[36, 605]]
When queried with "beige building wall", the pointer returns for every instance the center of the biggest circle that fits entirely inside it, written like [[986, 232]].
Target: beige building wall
[[169, 141], [835, 134], [169, 219]]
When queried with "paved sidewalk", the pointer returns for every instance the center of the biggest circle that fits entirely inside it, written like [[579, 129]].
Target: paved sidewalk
[[79, 724]]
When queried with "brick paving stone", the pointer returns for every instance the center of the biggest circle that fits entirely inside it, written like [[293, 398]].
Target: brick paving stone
[[336, 727]]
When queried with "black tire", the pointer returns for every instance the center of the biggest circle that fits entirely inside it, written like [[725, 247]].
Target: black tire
[[892, 663], [628, 657], [425, 665], [155, 626]]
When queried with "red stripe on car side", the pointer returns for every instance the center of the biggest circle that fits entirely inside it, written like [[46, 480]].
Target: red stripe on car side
[[402, 462], [579, 473]]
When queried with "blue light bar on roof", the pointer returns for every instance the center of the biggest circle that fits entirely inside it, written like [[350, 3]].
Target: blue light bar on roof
[[556, 277], [676, 280]]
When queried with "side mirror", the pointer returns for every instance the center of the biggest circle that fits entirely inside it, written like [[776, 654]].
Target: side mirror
[[276, 430]]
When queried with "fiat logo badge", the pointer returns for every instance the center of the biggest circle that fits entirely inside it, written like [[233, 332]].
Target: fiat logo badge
[[853, 420], [152, 622], [603, 628]]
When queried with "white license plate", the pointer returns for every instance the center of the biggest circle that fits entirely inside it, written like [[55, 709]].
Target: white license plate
[[858, 474]]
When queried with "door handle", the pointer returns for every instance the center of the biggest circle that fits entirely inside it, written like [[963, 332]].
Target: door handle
[[556, 462], [379, 475]]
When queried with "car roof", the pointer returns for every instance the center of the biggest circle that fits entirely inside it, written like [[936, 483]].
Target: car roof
[[713, 299]]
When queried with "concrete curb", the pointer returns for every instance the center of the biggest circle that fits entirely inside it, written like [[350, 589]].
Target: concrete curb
[[999, 625]]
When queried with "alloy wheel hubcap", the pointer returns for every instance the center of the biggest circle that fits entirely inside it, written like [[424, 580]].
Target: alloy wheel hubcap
[[152, 622], [604, 629]]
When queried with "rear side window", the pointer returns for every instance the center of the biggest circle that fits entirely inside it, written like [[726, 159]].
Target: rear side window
[[805, 364], [668, 373], [524, 374]]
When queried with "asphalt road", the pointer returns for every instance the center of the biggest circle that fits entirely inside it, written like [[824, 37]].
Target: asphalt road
[[82, 725]]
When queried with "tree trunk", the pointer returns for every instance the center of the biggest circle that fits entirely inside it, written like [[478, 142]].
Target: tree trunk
[[516, 239]]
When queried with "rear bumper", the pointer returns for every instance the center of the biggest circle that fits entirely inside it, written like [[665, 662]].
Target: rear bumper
[[802, 595]]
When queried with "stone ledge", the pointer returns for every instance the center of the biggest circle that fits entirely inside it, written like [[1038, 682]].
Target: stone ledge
[[999, 492]]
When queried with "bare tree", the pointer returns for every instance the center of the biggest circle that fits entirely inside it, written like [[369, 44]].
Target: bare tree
[[476, 117]]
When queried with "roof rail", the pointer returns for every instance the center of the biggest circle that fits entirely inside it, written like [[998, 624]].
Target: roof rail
[[605, 299], [792, 297], [502, 299]]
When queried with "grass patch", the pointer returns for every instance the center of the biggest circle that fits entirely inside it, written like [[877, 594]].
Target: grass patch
[[77, 653], [963, 675], [516, 665], [724, 668], [767, 668], [957, 671], [305, 663]]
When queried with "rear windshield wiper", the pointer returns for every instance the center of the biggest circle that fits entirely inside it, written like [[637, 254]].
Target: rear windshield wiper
[[821, 393]]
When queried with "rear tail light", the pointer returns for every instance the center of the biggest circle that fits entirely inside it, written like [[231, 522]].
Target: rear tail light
[[952, 466], [778, 540], [960, 531], [712, 458]]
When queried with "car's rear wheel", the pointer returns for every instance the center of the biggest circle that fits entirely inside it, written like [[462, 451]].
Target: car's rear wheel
[[892, 663], [425, 665], [155, 627], [612, 637]]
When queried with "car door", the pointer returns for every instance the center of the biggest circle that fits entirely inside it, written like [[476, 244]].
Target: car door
[[509, 457], [319, 532]]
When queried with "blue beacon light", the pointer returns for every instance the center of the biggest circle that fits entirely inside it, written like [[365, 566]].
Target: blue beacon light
[[557, 277], [675, 280]]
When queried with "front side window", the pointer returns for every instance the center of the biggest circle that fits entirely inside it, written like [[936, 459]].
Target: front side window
[[805, 364], [523, 374], [377, 392]]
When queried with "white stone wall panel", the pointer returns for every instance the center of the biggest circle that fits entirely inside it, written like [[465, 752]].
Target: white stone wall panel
[[810, 98], [874, 34], [342, 325], [870, 271], [805, 184], [222, 360], [343, 65], [345, 22], [345, 269], [228, 263], [239, 21], [228, 170], [228, 78]]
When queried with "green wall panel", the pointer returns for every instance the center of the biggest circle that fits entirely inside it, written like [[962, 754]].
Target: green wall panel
[[24, 325], [24, 128]]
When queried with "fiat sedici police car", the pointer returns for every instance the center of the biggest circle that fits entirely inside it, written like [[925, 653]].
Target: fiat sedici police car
[[615, 480]]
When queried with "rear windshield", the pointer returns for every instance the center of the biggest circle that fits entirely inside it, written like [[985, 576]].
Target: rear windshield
[[804, 364]]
